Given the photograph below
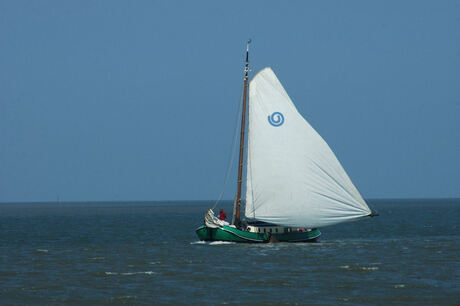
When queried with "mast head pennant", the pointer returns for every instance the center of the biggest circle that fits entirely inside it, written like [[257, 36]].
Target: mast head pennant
[[276, 119]]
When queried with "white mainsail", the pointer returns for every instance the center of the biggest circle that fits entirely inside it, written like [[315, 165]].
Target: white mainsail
[[293, 177]]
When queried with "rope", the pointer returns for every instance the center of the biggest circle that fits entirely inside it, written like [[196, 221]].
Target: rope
[[232, 156]]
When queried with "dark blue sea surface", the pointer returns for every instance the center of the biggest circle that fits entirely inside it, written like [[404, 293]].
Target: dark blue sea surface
[[148, 253]]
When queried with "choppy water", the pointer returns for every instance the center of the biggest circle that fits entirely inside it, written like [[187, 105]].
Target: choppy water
[[147, 253]]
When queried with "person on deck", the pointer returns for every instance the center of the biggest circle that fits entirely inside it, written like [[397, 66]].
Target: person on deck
[[222, 215]]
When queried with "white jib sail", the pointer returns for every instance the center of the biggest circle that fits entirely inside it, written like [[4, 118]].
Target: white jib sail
[[293, 177]]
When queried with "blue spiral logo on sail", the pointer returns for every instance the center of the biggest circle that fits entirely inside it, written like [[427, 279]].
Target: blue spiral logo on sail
[[276, 119]]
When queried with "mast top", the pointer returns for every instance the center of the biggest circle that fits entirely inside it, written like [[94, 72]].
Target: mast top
[[246, 68]]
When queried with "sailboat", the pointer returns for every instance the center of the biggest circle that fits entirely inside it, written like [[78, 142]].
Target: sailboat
[[294, 182]]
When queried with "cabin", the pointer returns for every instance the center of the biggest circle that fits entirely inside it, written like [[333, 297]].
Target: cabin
[[261, 227]]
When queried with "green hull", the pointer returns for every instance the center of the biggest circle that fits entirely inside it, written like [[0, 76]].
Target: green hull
[[227, 233]]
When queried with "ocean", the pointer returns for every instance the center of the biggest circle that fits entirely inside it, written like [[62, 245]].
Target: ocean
[[148, 253]]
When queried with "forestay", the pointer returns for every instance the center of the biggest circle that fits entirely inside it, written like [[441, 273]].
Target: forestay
[[293, 177]]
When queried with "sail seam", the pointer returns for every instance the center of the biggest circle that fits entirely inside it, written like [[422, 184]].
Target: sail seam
[[337, 200], [335, 181]]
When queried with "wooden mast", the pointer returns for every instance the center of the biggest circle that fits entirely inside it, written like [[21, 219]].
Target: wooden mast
[[237, 205]]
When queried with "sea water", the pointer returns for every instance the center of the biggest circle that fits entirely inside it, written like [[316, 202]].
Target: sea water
[[148, 253]]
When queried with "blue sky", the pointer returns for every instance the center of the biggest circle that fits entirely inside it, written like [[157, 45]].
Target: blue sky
[[136, 100]]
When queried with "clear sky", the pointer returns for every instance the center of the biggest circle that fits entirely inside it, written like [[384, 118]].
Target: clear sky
[[136, 100]]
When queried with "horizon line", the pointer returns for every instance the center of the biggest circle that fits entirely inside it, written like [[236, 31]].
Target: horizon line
[[229, 200]]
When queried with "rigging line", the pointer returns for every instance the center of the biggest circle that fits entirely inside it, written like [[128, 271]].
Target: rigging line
[[249, 168], [232, 155]]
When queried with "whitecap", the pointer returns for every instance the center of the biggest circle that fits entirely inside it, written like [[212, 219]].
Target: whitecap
[[221, 242], [345, 267], [140, 272], [213, 242], [198, 242], [399, 286], [42, 250], [369, 268]]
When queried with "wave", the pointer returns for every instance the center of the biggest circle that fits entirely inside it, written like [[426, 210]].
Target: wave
[[198, 242], [363, 268], [369, 268], [130, 273], [221, 242], [213, 242]]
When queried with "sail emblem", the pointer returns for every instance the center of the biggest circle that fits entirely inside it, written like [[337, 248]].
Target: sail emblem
[[276, 119]]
